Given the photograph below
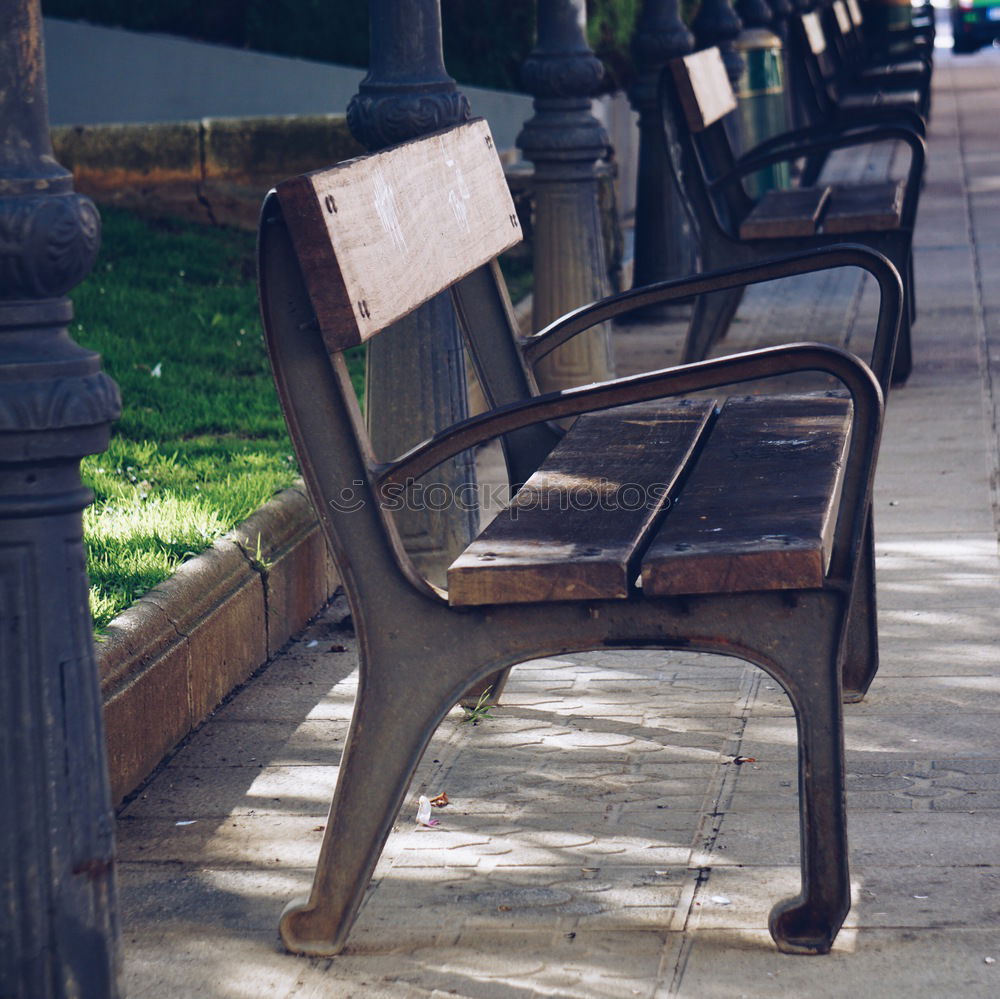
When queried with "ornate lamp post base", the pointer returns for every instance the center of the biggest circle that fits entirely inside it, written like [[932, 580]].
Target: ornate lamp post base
[[564, 142], [416, 371], [59, 935]]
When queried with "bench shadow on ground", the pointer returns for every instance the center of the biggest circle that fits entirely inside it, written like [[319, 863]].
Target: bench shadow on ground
[[629, 836]]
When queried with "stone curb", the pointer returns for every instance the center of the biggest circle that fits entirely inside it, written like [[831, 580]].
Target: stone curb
[[167, 661], [216, 170]]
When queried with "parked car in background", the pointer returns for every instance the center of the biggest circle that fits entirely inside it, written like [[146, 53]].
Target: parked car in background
[[974, 23]]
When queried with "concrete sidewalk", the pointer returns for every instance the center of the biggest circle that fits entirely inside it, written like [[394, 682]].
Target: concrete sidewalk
[[622, 825]]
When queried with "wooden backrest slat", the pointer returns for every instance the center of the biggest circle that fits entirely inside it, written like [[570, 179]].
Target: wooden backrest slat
[[842, 16], [703, 87], [814, 33], [854, 9], [379, 235]]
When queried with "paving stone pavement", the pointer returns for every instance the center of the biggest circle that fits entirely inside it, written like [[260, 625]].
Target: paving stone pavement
[[623, 823]]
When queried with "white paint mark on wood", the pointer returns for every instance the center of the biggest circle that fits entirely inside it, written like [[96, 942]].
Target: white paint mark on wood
[[385, 206]]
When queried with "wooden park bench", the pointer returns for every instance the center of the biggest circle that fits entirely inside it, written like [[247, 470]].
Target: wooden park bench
[[733, 229], [858, 67], [825, 91], [740, 527]]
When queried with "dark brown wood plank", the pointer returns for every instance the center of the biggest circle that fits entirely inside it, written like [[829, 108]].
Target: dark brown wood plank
[[574, 530], [703, 88], [864, 207], [757, 512], [381, 234], [885, 72], [785, 213], [881, 99]]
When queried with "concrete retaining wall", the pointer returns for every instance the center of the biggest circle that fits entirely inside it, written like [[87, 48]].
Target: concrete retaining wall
[[210, 170]]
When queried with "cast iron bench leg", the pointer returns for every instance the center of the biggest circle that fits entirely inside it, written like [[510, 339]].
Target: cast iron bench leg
[[808, 923], [861, 640], [392, 724], [709, 322]]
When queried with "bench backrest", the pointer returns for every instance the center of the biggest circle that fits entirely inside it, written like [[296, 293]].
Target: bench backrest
[[815, 64], [345, 252], [380, 235], [844, 22], [813, 28], [696, 96], [703, 88], [854, 9]]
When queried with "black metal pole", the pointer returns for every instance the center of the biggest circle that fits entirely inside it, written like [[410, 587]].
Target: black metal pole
[[717, 24], [58, 933], [755, 13], [663, 239], [564, 141], [781, 11], [416, 382]]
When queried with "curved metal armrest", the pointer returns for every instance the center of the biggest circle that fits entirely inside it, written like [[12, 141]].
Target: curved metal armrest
[[754, 160], [813, 133], [883, 114], [825, 258], [855, 375]]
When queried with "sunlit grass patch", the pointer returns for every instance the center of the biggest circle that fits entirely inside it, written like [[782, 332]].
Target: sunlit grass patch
[[172, 308]]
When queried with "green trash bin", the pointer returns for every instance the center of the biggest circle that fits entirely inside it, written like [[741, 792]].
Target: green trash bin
[[763, 107]]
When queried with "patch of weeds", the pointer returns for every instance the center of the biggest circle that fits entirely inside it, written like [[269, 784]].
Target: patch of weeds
[[480, 711]]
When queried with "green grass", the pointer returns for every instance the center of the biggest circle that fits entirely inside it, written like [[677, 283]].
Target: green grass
[[172, 308]]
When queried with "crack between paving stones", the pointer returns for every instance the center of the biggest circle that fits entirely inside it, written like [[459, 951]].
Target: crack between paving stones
[[982, 336], [717, 800]]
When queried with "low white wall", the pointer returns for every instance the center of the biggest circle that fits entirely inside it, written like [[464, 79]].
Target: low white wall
[[100, 75]]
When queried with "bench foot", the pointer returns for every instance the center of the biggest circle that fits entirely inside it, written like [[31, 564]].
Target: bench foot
[[799, 928], [808, 923], [389, 732], [304, 930]]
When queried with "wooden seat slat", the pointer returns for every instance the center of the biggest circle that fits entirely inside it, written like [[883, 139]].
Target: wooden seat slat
[[785, 213], [888, 70], [864, 207], [756, 512], [881, 98], [574, 529]]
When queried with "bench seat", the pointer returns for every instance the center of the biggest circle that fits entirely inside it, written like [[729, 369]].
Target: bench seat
[[880, 99], [694, 499], [842, 209], [870, 207], [786, 212]]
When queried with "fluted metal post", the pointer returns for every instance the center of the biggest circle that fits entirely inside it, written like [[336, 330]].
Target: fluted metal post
[[564, 141], [797, 79], [754, 13], [781, 11], [416, 371], [663, 238], [58, 931], [717, 24]]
